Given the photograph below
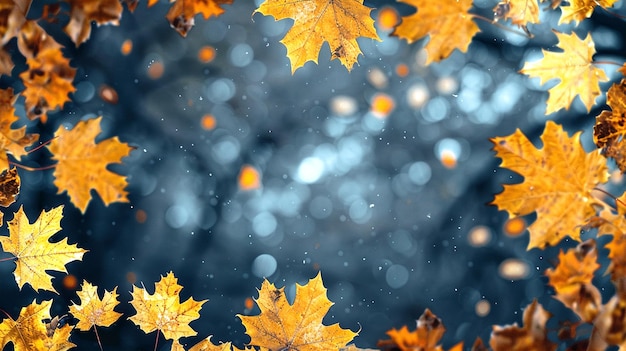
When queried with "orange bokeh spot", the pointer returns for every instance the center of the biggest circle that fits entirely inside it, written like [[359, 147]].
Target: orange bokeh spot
[[206, 54], [70, 282], [208, 122], [141, 216], [515, 226], [249, 178], [248, 303], [127, 47], [388, 18], [448, 159], [402, 70], [108, 94], [382, 105], [156, 69], [131, 277]]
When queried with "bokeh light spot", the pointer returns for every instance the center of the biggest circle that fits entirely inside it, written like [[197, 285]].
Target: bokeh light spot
[[310, 170], [382, 105], [249, 178], [208, 122], [264, 265], [387, 18], [482, 308], [206, 54], [397, 276], [127, 47], [479, 236], [515, 226], [513, 269]]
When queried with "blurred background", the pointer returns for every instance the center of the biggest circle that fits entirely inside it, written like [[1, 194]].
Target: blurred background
[[380, 178]]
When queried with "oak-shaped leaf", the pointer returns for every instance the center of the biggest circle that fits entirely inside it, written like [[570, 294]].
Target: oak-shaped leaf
[[338, 22], [181, 14], [578, 10], [34, 253], [47, 82], [558, 183], [29, 332], [610, 128], [83, 12], [282, 326], [571, 280], [163, 311], [448, 24], [82, 164], [13, 141], [520, 12], [573, 67], [95, 311], [533, 335], [425, 337]]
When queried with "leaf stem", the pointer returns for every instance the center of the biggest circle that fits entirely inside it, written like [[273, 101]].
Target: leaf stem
[[526, 33], [8, 259], [18, 165], [156, 341], [41, 145], [95, 329]]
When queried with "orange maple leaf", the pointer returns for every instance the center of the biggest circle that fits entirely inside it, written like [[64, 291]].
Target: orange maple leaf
[[9, 188], [532, 336], [181, 14], [578, 10], [520, 12], [338, 22], [449, 25], [426, 337], [33, 251], [162, 311], [82, 164], [85, 11], [30, 333], [14, 15], [12, 141], [571, 279], [282, 326], [575, 70], [48, 82], [610, 128], [94, 311], [558, 180]]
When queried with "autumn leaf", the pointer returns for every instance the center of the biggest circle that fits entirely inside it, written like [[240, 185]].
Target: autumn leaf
[[282, 326], [449, 25], [532, 336], [558, 181], [13, 16], [575, 70], [85, 11], [9, 188], [29, 332], [94, 311], [162, 311], [426, 337], [48, 81], [610, 128], [32, 39], [338, 22], [82, 164], [33, 251], [578, 10], [520, 12], [571, 280], [181, 14], [207, 345], [12, 141]]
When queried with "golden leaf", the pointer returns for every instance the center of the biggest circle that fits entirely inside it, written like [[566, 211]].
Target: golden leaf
[[12, 141], [207, 345], [82, 164], [610, 128], [532, 336], [520, 12], [163, 311], [9, 187], [94, 311], [426, 337], [575, 70], [34, 253], [338, 22], [13, 15], [181, 14], [558, 180], [578, 10], [29, 332], [85, 11], [449, 25], [282, 326]]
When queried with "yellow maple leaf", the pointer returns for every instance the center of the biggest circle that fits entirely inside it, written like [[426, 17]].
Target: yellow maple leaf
[[34, 253], [181, 14], [425, 337], [30, 333], [163, 311], [533, 335], [47, 82], [449, 25], [338, 22], [578, 10], [282, 326], [94, 311], [520, 12], [207, 345], [82, 164], [83, 12], [12, 141], [610, 128], [558, 181], [575, 70]]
